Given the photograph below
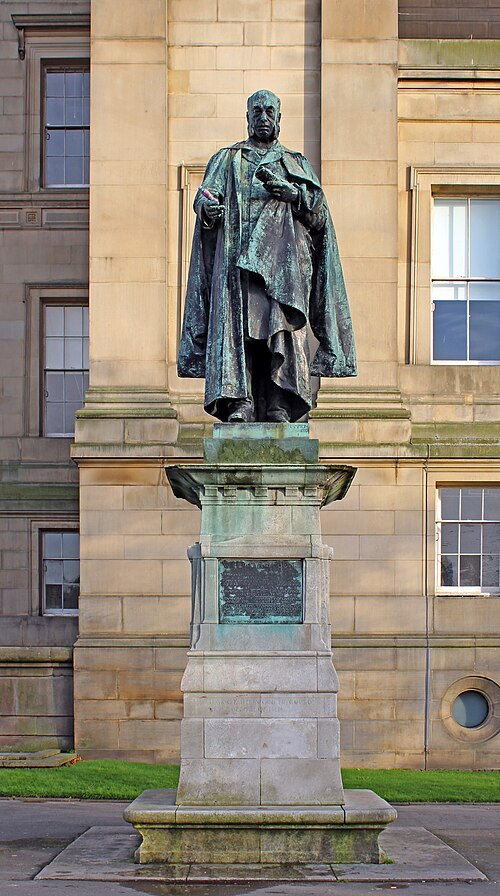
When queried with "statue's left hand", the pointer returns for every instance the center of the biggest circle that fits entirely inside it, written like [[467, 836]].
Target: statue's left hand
[[282, 189]]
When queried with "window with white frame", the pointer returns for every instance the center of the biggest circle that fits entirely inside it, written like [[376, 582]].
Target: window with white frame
[[469, 538], [65, 366], [60, 560], [466, 280], [66, 126]]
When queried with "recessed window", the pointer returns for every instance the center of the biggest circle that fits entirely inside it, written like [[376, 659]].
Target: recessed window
[[60, 573], [470, 709], [469, 538], [466, 280], [66, 126], [66, 365]]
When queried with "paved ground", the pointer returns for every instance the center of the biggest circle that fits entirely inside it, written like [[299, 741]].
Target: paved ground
[[33, 832]]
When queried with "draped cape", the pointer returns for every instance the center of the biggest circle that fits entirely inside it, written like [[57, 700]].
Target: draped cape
[[295, 253]]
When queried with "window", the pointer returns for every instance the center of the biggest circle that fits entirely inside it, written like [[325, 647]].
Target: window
[[466, 280], [52, 43], [469, 538], [66, 363], [66, 126], [60, 554]]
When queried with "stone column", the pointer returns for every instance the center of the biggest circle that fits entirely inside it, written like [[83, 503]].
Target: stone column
[[359, 80]]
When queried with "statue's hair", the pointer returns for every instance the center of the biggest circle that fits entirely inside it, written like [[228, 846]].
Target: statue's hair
[[269, 95]]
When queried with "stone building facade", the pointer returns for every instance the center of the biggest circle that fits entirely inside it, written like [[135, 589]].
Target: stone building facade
[[399, 115]]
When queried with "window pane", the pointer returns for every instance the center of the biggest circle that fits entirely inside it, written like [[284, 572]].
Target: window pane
[[85, 316], [485, 292], [86, 83], [470, 538], [73, 354], [484, 237], [73, 170], [449, 571], [485, 331], [449, 242], [71, 545], [86, 364], [470, 571], [73, 110], [54, 352], [73, 383], [73, 320], [54, 419], [54, 111], [53, 597], [71, 572], [70, 409], [54, 171], [53, 570], [54, 320], [71, 594], [492, 503], [449, 292], [491, 538], [470, 709], [450, 331], [449, 538], [86, 111], [52, 545], [55, 83], [54, 387], [74, 83], [450, 503], [471, 503], [54, 143], [74, 143], [491, 571]]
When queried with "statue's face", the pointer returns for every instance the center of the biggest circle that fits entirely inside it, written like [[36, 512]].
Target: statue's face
[[263, 117]]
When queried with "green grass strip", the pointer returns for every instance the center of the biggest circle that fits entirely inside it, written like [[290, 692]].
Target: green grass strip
[[413, 786], [110, 779], [99, 779]]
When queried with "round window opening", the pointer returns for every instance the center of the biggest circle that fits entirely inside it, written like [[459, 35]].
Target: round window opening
[[470, 709]]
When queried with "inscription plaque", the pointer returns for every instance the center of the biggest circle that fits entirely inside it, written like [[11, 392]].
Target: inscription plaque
[[260, 591]]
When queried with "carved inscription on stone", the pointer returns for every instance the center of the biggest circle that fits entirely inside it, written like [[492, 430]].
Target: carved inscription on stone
[[260, 591]]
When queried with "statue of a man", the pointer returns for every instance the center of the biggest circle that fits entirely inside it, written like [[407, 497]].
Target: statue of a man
[[264, 263]]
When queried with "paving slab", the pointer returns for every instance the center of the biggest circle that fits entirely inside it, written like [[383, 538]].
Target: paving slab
[[105, 853]]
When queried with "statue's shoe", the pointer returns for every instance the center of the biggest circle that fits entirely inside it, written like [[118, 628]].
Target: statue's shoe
[[241, 412], [278, 416]]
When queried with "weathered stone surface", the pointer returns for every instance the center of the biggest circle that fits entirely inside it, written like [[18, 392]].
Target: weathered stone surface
[[268, 835]]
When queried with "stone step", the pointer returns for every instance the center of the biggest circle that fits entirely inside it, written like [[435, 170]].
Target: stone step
[[40, 759]]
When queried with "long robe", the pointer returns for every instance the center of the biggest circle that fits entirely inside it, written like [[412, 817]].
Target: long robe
[[294, 252]]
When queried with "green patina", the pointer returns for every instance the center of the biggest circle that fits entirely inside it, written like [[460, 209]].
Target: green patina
[[238, 451]]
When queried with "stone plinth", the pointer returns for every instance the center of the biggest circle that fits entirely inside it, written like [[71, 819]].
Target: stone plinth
[[260, 773], [268, 835]]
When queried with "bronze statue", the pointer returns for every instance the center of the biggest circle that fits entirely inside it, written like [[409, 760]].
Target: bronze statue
[[264, 263]]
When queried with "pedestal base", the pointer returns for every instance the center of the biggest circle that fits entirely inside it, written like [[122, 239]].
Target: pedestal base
[[255, 834]]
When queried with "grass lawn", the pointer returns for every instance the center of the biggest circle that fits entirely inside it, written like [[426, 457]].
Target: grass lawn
[[110, 779]]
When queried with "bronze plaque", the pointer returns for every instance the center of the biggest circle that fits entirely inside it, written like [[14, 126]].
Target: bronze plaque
[[261, 591]]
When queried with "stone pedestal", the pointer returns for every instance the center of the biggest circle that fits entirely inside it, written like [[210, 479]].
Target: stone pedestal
[[260, 753]]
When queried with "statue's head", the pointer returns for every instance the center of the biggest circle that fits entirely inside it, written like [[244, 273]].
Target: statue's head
[[263, 115]]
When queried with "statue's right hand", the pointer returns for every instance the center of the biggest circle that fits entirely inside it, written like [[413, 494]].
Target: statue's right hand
[[212, 210]]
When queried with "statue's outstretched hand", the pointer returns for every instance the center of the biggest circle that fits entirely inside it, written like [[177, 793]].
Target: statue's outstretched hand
[[282, 189]]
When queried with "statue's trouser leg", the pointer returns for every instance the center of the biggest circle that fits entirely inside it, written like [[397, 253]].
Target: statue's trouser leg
[[270, 401]]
